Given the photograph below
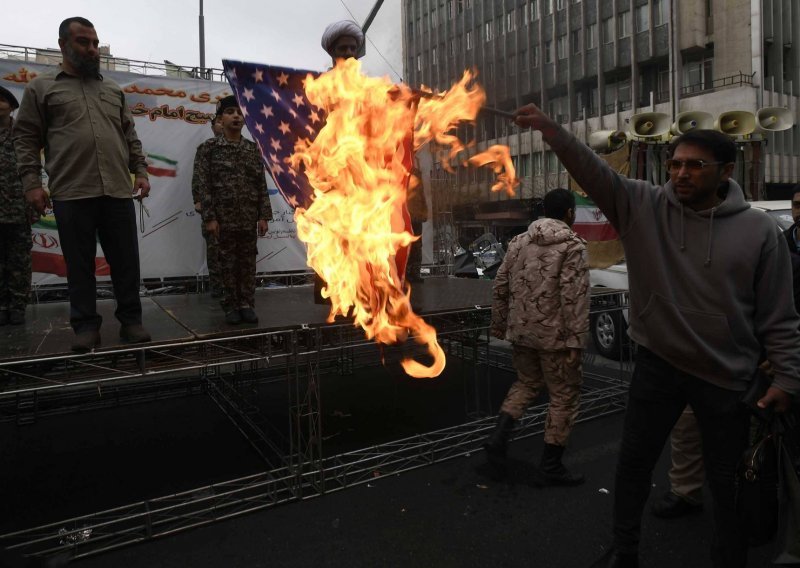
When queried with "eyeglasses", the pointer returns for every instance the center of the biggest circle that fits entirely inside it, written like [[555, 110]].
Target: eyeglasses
[[674, 166]]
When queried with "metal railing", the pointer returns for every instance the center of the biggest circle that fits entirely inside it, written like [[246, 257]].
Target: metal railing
[[49, 56], [735, 80]]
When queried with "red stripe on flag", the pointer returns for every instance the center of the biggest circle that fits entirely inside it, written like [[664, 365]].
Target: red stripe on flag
[[595, 231], [161, 172], [50, 263]]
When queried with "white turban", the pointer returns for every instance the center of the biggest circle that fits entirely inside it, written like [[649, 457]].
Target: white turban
[[338, 29]]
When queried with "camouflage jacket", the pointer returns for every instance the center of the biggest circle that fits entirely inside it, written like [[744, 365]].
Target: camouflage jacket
[[541, 291], [12, 198], [230, 184]]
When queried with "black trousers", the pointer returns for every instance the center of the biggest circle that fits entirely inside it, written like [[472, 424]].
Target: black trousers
[[658, 394], [112, 221]]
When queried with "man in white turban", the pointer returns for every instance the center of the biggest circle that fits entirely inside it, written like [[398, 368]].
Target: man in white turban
[[342, 40]]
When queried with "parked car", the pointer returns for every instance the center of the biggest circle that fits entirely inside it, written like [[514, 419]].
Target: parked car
[[609, 328]]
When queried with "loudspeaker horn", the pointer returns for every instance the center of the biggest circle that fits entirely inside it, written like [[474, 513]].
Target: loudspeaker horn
[[736, 123], [774, 119], [606, 140], [692, 120], [649, 125]]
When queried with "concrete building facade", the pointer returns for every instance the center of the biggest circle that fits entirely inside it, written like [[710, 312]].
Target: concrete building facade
[[593, 64]]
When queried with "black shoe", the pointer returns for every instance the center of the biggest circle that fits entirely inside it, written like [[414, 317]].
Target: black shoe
[[16, 317], [233, 317], [497, 444], [248, 315], [672, 506], [134, 333], [553, 471], [3, 317], [86, 340]]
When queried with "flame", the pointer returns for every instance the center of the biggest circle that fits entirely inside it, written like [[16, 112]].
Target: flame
[[358, 166]]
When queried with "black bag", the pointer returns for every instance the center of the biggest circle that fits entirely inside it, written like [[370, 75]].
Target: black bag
[[757, 486]]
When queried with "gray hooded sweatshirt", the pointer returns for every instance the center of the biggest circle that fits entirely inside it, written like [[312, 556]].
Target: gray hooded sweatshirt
[[708, 289]]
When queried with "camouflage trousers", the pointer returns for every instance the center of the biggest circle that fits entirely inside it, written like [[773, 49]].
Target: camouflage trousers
[[237, 263], [212, 260], [15, 265], [538, 369]]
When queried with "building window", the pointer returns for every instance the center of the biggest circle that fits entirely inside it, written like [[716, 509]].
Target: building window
[[561, 46], [535, 56], [537, 164], [552, 162], [560, 4], [500, 27], [624, 94], [698, 75], [608, 30], [576, 42], [524, 165], [469, 40], [534, 6], [624, 23], [659, 13], [548, 7], [642, 18], [433, 56], [419, 62], [591, 36], [512, 65], [453, 46], [434, 19], [451, 13], [511, 21], [490, 71], [548, 51], [487, 27]]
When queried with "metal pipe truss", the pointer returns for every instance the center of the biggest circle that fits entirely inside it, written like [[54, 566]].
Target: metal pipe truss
[[221, 368]]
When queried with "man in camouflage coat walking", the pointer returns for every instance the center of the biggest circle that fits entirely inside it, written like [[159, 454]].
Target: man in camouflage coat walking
[[15, 229], [229, 178], [541, 306]]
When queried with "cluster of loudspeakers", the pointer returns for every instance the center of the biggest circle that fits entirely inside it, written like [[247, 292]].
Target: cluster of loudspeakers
[[658, 127]]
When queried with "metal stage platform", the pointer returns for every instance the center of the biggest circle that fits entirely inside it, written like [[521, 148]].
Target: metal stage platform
[[194, 353]]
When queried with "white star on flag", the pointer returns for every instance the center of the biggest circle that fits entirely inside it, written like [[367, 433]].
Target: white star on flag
[[276, 95], [248, 94], [266, 111], [276, 144], [285, 128], [283, 79], [260, 128], [258, 76], [298, 100]]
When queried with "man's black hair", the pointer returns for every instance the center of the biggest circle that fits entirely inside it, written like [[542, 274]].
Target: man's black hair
[[795, 190], [557, 202], [63, 29], [719, 144]]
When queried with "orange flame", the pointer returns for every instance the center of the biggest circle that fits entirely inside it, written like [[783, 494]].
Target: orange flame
[[358, 167]]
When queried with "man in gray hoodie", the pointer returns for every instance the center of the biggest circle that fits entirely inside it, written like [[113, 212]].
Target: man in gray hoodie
[[710, 287]]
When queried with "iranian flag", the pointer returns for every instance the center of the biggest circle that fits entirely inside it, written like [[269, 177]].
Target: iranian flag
[[46, 256], [161, 166], [591, 223], [602, 241]]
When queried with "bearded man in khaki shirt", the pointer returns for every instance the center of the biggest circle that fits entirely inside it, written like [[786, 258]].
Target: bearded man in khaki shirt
[[83, 122]]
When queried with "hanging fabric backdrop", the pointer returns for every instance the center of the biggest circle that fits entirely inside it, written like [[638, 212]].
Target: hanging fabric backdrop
[[172, 118]]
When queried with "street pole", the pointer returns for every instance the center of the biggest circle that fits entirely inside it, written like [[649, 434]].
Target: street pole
[[202, 40]]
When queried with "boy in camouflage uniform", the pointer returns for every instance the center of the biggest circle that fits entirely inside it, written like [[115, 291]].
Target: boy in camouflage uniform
[[212, 246], [541, 306], [15, 229], [229, 178]]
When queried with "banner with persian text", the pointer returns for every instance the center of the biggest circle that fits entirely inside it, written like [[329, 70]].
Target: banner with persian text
[[173, 116]]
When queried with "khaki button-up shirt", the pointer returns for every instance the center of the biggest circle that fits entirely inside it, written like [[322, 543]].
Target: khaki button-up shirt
[[87, 132]]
